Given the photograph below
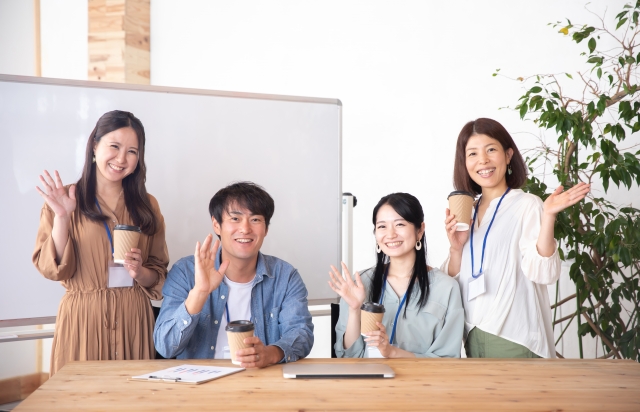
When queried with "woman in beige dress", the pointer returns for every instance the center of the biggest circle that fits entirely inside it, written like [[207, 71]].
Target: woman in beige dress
[[74, 246]]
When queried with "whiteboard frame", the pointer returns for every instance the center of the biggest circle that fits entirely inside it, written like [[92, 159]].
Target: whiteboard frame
[[175, 90]]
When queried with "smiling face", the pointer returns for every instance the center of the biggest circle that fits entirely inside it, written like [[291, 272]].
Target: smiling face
[[396, 237], [487, 162], [116, 155], [241, 233]]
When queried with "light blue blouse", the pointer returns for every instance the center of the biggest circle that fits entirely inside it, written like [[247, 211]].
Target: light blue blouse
[[432, 332]]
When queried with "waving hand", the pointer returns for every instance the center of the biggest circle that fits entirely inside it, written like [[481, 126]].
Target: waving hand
[[56, 196], [351, 291]]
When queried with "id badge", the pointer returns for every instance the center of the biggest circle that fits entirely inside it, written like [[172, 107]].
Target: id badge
[[476, 287], [119, 276], [226, 353], [372, 352]]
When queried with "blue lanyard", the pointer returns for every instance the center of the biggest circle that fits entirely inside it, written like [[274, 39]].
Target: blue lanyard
[[484, 242], [106, 227], [404, 298], [226, 311]]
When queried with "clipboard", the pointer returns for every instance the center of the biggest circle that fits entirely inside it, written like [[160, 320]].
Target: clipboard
[[187, 374]]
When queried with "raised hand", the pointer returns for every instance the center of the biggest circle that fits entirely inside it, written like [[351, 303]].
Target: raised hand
[[56, 196], [351, 291], [207, 278], [559, 200], [456, 239]]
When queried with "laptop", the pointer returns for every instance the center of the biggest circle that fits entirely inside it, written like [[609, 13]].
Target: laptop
[[336, 370]]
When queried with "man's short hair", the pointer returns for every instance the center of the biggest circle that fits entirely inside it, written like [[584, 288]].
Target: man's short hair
[[247, 195]]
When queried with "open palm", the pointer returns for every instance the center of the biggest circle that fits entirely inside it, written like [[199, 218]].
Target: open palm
[[56, 196], [207, 278], [351, 291], [559, 200]]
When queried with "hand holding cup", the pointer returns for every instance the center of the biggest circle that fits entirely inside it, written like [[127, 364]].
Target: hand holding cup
[[379, 339]]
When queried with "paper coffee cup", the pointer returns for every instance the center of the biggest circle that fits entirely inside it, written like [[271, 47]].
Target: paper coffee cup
[[370, 313], [461, 206], [237, 332], [125, 238]]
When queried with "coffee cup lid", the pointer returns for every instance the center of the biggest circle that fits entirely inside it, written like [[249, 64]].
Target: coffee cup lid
[[460, 193], [127, 227], [239, 326], [372, 307]]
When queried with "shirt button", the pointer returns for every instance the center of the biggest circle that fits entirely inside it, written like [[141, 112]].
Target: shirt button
[[272, 315], [288, 358], [212, 348], [185, 322], [222, 297], [215, 322]]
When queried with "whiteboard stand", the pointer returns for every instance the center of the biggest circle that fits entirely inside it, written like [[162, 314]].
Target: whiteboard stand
[[349, 201]]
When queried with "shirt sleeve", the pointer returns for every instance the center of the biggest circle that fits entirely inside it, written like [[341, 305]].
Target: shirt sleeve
[[294, 321], [358, 348], [448, 341], [174, 326], [44, 254], [157, 255], [538, 269]]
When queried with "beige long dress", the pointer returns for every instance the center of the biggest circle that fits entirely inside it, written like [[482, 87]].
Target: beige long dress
[[96, 322]]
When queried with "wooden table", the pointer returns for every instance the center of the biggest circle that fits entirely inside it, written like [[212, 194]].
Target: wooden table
[[420, 384]]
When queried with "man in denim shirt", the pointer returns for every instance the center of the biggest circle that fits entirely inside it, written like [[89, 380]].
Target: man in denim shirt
[[205, 291]]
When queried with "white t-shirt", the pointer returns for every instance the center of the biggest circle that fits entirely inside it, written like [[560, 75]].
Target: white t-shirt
[[239, 305], [515, 305]]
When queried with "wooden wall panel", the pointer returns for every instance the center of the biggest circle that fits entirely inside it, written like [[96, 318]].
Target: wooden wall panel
[[119, 32]]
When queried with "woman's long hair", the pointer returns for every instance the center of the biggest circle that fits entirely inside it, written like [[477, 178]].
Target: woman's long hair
[[410, 209], [133, 185]]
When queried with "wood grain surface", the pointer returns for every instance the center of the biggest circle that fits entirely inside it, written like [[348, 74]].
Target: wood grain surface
[[420, 384]]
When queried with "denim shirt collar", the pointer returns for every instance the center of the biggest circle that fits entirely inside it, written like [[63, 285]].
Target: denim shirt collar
[[261, 267]]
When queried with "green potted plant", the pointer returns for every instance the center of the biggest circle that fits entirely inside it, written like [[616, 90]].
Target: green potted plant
[[593, 128]]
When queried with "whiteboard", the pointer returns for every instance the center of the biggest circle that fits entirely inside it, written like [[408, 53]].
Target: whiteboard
[[198, 141]]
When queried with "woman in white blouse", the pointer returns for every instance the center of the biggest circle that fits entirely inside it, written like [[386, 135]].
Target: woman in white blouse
[[506, 259]]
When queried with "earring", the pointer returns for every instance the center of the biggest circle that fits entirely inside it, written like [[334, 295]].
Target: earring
[[418, 245], [94, 159], [378, 248], [509, 171]]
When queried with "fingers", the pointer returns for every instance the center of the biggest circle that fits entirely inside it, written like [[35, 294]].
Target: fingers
[[335, 276], [72, 192], [383, 330], [345, 270], [206, 245], [223, 267], [358, 281], [45, 184], [252, 340], [43, 194], [196, 254], [58, 181]]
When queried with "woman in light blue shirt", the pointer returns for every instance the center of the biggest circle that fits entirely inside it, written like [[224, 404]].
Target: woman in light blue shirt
[[422, 302]]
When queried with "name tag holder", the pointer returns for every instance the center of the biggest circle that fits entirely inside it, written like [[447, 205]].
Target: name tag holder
[[119, 276], [476, 287], [477, 282]]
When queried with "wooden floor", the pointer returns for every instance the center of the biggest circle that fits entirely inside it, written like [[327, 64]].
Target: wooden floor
[[422, 384]]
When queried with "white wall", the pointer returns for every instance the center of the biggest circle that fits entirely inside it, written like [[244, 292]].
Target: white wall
[[17, 38], [64, 28]]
